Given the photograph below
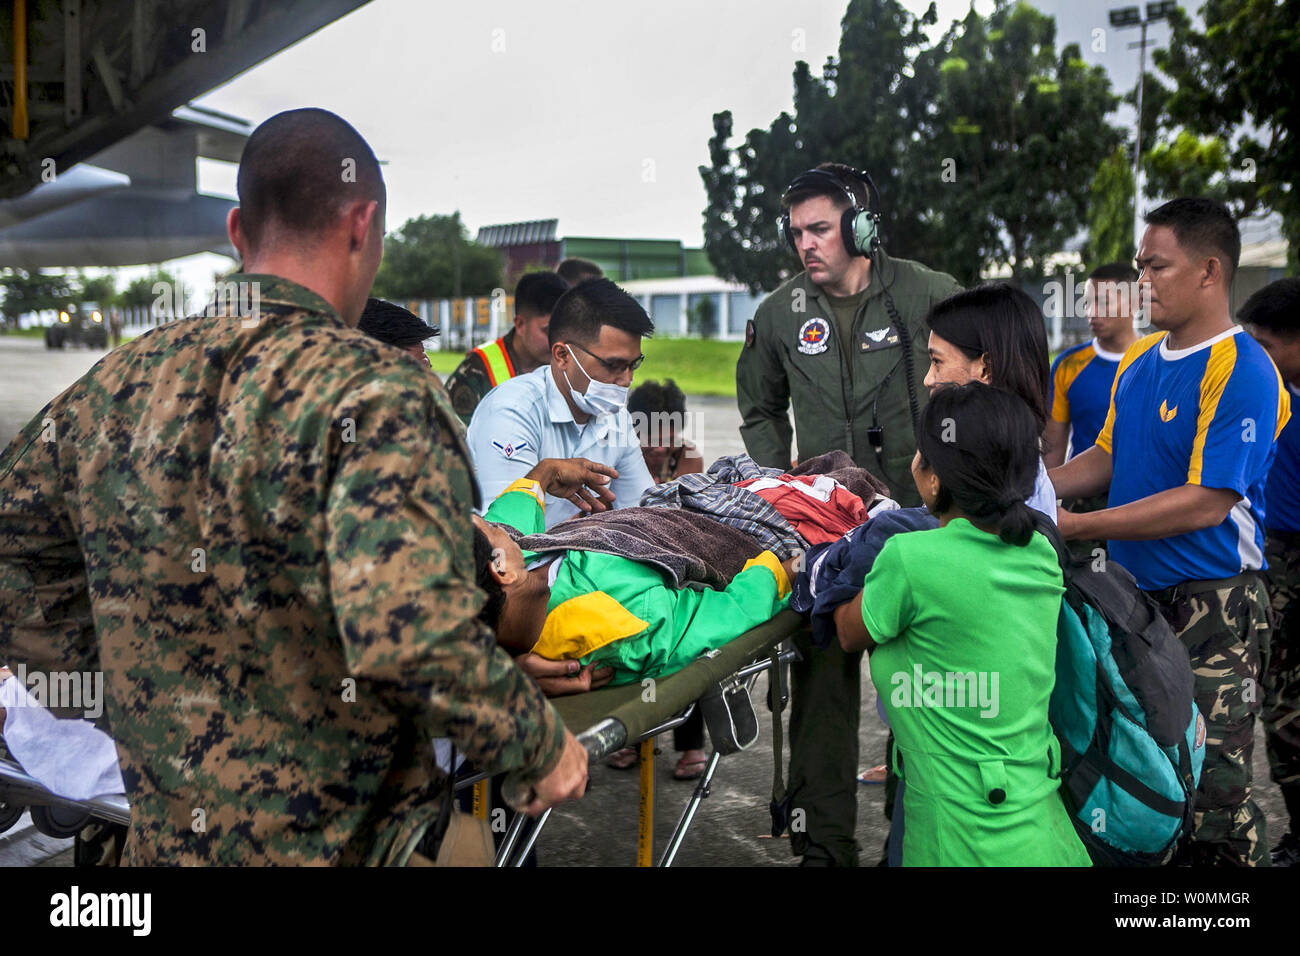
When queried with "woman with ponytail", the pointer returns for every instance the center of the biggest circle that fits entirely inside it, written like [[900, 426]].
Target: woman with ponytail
[[960, 625]]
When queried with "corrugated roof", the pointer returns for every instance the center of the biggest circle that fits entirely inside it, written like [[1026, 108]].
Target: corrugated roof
[[517, 233]]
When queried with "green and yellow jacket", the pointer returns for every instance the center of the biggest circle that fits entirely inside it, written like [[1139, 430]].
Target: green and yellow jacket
[[626, 615]]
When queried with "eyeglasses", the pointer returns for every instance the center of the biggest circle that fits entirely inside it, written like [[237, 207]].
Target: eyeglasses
[[614, 366]]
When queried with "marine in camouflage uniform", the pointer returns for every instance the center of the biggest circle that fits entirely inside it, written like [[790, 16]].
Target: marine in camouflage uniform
[[1226, 633], [258, 527], [481, 371]]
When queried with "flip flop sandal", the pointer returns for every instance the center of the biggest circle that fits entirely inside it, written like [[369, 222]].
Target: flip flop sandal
[[691, 770], [624, 759]]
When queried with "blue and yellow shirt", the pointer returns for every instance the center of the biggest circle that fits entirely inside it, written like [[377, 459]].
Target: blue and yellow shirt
[[1082, 377], [1282, 494], [1208, 415], [625, 614]]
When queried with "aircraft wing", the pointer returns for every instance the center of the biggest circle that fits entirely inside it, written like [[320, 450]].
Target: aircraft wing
[[98, 71]]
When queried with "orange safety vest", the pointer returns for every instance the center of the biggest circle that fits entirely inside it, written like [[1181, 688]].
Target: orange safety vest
[[497, 360]]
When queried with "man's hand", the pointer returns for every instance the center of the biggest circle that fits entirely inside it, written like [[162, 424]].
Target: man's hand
[[579, 480], [1166, 514], [568, 781], [557, 678]]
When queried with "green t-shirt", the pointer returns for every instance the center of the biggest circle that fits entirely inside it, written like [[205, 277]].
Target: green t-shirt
[[845, 309], [966, 662]]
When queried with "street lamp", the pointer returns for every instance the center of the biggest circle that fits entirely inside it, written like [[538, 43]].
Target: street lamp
[[1122, 18]]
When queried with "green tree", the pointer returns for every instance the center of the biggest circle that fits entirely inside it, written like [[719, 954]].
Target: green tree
[[139, 293], [983, 145], [864, 110], [1110, 211], [702, 320], [1232, 99], [1022, 129], [99, 289], [34, 291], [432, 257]]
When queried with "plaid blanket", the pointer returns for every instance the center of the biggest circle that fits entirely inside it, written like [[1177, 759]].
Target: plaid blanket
[[715, 494]]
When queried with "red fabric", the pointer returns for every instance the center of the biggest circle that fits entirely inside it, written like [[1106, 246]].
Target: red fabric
[[818, 521]]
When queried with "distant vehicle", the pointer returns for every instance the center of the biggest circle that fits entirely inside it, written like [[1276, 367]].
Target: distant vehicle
[[78, 325]]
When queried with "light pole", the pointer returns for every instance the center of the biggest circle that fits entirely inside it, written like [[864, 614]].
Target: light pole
[[1122, 18]]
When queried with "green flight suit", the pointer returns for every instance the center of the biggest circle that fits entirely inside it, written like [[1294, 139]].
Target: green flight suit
[[793, 356]]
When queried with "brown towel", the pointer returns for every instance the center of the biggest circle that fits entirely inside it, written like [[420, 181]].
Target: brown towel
[[693, 549]]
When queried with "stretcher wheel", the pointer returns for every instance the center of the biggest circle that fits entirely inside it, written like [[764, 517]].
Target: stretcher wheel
[[59, 822], [9, 814]]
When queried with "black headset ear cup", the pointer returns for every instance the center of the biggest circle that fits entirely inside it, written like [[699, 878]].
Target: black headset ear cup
[[784, 223]]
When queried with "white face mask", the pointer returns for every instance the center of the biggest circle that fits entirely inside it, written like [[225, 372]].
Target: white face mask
[[601, 398]]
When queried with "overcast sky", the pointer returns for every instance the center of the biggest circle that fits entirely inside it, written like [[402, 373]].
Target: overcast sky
[[597, 114], [594, 113]]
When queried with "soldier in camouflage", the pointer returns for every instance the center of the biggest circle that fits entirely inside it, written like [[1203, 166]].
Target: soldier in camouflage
[[842, 345], [1272, 316], [1281, 712], [256, 524]]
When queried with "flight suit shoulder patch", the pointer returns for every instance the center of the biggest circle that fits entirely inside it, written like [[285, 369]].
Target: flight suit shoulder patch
[[814, 336]]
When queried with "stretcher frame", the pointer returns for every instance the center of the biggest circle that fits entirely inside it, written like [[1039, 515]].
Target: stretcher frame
[[760, 649]]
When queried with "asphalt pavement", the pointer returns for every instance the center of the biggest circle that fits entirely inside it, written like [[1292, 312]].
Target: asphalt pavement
[[31, 375]]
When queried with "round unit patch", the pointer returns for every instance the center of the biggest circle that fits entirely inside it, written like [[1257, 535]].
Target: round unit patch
[[814, 337]]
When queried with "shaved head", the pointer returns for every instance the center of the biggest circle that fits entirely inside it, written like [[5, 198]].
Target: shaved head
[[298, 171]]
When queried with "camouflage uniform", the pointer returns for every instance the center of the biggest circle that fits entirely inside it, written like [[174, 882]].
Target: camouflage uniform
[[259, 530], [1282, 667], [1226, 633], [470, 381]]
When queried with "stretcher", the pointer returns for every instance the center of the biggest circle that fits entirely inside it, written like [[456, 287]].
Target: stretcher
[[603, 720]]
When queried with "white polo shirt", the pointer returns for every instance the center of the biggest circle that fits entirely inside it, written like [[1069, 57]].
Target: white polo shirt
[[526, 419]]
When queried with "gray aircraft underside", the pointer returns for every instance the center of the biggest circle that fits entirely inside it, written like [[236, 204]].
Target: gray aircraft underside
[[104, 174]]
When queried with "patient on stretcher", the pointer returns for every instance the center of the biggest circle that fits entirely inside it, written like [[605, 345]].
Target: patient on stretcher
[[606, 610]]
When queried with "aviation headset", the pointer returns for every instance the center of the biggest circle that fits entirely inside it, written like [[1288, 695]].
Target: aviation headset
[[859, 227]]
